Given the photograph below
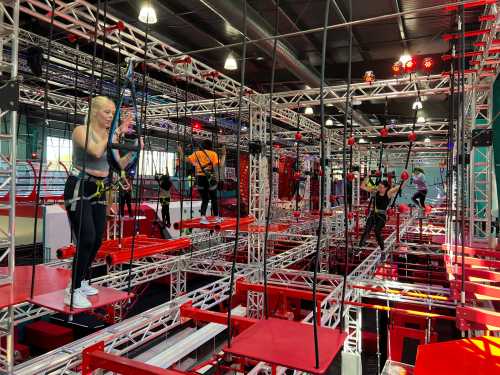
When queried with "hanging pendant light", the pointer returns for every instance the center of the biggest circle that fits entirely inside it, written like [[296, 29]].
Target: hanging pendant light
[[309, 111], [231, 63], [147, 14]]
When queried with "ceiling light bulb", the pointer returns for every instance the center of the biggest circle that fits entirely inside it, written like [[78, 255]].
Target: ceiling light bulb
[[309, 111], [427, 140], [420, 119], [147, 14], [404, 58], [230, 63], [329, 122], [362, 140], [417, 105], [308, 87]]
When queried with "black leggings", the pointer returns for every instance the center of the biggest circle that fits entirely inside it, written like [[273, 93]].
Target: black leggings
[[419, 198], [207, 195], [125, 198], [165, 210], [376, 221], [93, 222]]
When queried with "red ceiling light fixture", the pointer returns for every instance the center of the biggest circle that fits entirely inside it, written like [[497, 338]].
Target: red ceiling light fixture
[[369, 77], [410, 65], [427, 64], [197, 125], [384, 132], [397, 68]]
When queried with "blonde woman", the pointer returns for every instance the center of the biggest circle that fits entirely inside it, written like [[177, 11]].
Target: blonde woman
[[87, 215]]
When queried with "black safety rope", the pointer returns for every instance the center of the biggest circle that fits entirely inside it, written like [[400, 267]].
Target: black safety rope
[[270, 166], [322, 177], [238, 172], [42, 154], [344, 167]]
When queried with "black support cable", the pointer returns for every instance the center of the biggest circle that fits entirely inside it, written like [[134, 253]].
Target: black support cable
[[238, 173], [344, 168], [462, 150], [322, 183], [42, 154], [271, 155]]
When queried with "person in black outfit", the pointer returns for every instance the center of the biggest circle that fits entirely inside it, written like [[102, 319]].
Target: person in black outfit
[[165, 185], [125, 197], [381, 197]]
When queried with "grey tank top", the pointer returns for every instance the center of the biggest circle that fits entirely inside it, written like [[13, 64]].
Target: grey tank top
[[91, 162]]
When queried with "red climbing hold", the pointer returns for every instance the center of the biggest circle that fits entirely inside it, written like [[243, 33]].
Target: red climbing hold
[[405, 175], [384, 132], [412, 137], [403, 208], [351, 141], [298, 136]]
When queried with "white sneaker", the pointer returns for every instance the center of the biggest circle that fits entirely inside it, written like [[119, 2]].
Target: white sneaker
[[219, 219], [87, 289], [80, 301], [204, 220]]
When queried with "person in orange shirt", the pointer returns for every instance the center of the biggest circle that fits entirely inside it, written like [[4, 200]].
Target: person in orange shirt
[[204, 160]]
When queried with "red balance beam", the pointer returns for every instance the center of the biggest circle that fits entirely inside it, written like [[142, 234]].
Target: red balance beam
[[239, 322], [125, 255], [94, 358], [475, 290]]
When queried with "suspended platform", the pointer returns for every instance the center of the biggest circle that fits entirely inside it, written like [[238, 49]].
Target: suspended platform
[[273, 340], [478, 355], [50, 283]]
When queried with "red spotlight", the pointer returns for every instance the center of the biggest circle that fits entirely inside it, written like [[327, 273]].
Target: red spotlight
[[197, 125], [410, 66], [405, 175], [384, 132], [34, 155], [427, 64], [350, 215], [298, 136], [369, 77], [412, 137], [296, 214], [397, 68], [351, 141]]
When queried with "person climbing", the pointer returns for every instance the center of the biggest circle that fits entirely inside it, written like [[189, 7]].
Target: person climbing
[[418, 179], [125, 197], [165, 185], [381, 195], [205, 161], [86, 208]]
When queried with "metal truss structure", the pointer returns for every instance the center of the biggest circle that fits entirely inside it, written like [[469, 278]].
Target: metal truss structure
[[9, 31]]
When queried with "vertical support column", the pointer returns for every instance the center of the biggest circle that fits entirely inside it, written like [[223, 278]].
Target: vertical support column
[[255, 303], [177, 283], [9, 31]]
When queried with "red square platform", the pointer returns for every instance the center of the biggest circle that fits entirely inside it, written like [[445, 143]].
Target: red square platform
[[477, 355], [289, 344], [55, 300]]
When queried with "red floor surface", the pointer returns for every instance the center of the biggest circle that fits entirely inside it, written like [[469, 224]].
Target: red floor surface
[[47, 279], [55, 300], [475, 356], [289, 344]]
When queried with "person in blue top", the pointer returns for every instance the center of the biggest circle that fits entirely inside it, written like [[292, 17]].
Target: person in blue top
[[418, 180]]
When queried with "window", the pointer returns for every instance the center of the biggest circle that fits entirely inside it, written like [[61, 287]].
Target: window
[[58, 150], [152, 162]]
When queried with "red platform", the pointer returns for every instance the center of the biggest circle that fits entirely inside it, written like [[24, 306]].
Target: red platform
[[47, 279], [479, 355], [55, 300], [289, 344]]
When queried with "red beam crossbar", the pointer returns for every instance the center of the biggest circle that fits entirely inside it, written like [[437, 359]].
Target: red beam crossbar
[[241, 322], [474, 251], [467, 34], [479, 291], [473, 4], [489, 320], [94, 358]]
